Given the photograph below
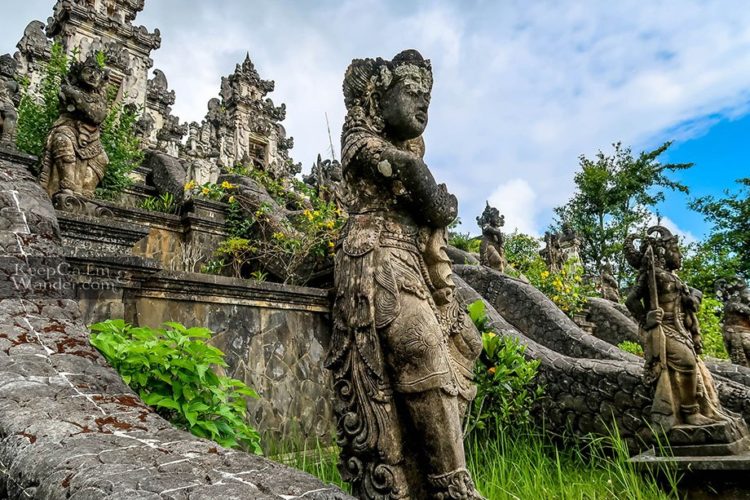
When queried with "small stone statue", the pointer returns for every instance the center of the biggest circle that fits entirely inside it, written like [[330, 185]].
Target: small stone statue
[[608, 286], [492, 249], [402, 349], [9, 99], [551, 253], [684, 392], [74, 160], [736, 297]]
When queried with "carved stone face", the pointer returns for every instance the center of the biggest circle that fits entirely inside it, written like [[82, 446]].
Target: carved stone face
[[92, 76], [673, 256], [404, 110]]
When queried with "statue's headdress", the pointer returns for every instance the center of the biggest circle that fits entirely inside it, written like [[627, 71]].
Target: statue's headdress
[[489, 215], [659, 238], [91, 62]]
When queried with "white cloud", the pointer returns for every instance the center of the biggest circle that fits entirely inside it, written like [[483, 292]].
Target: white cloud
[[521, 88], [686, 236], [518, 202]]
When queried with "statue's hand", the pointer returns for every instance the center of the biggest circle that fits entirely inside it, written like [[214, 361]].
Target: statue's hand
[[654, 318], [698, 345]]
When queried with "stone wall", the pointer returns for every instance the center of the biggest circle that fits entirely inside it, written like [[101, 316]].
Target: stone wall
[[274, 337], [69, 426]]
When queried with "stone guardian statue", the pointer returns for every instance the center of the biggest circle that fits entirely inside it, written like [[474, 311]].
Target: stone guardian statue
[[736, 327], [492, 249], [684, 392], [74, 160], [402, 349]]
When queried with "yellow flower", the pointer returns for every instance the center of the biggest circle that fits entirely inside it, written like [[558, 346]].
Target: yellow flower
[[278, 236], [231, 199], [189, 185], [545, 274], [331, 244], [205, 191], [330, 224], [227, 185]]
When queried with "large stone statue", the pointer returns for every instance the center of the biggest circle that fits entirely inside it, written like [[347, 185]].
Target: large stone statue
[[684, 392], [492, 251], [736, 297], [402, 349], [74, 160]]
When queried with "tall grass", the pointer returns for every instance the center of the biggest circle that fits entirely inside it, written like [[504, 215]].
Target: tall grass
[[526, 464]]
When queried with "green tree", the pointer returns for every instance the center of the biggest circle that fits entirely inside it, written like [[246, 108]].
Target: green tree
[[707, 261], [730, 217], [615, 195]]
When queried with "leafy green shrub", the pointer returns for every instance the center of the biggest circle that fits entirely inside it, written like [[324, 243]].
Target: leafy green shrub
[[170, 369], [465, 242], [163, 203], [37, 113], [296, 246], [505, 380], [631, 347], [123, 147], [710, 317]]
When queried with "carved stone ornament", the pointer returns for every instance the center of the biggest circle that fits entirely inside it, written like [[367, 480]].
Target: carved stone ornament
[[74, 160], [402, 349], [685, 398]]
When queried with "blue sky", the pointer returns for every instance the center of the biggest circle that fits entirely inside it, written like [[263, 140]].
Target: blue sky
[[521, 88]]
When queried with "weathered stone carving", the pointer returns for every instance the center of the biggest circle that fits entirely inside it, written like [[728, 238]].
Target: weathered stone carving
[[9, 99], [243, 127], [402, 349], [551, 253], [736, 297], [74, 160], [562, 248], [608, 286], [684, 392], [326, 178], [492, 250], [570, 244]]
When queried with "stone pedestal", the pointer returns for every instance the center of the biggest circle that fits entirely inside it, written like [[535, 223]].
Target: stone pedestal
[[711, 461]]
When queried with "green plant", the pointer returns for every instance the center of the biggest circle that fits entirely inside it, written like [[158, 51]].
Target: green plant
[[291, 248], [122, 145], [259, 276], [38, 111], [171, 369], [465, 242], [210, 190], [163, 203], [505, 380], [709, 318], [631, 347]]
